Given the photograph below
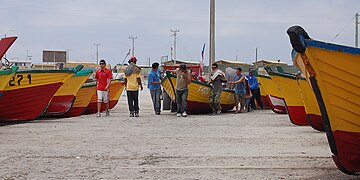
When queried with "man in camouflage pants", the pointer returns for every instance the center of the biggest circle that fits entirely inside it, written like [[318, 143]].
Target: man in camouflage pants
[[216, 80]]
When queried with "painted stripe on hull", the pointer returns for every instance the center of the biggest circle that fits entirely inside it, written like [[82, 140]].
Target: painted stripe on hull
[[316, 122], [297, 115], [277, 104], [26, 103], [348, 146], [74, 111], [59, 105], [92, 108]]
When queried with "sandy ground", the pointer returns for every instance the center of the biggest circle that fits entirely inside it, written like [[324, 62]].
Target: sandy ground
[[256, 145]]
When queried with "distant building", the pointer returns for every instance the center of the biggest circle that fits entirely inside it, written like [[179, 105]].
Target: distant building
[[230, 63], [22, 64], [270, 63], [178, 62]]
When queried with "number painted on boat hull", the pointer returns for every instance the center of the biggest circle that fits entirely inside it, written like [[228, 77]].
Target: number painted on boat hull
[[17, 79]]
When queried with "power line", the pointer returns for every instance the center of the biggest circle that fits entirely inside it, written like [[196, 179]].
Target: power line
[[343, 28]]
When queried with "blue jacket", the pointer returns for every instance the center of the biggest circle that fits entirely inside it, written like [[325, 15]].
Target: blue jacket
[[253, 82], [153, 77]]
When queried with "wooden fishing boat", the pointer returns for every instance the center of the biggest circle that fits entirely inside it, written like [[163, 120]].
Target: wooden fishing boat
[[311, 107], [28, 92], [334, 75], [273, 95], [198, 96], [116, 88], [83, 97], [64, 97], [290, 90]]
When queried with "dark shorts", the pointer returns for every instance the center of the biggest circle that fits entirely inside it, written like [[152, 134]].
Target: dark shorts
[[240, 97]]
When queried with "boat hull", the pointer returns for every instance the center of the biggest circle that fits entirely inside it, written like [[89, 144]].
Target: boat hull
[[27, 94], [264, 99], [277, 104], [273, 95], [82, 101], [334, 75], [116, 89], [198, 96], [292, 97], [64, 97], [311, 107], [26, 103]]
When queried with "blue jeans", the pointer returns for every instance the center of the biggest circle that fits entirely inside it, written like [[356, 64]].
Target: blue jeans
[[155, 96], [181, 100]]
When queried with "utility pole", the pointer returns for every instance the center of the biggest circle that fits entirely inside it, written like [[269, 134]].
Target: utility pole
[[97, 52], [357, 30], [175, 31], [133, 44], [256, 56], [237, 52], [212, 35]]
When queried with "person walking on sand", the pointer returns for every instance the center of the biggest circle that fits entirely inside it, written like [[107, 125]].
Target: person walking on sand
[[154, 85], [132, 84], [103, 77], [240, 91], [216, 80], [255, 90]]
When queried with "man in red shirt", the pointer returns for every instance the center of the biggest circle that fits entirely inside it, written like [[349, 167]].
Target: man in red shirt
[[103, 77]]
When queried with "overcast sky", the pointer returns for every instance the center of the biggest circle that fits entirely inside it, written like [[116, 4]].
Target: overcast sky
[[241, 26]]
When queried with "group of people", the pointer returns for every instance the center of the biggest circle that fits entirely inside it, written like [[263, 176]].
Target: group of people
[[246, 88]]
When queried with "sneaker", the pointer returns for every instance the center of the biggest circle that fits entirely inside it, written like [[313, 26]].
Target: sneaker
[[98, 114], [178, 115], [157, 113], [131, 114], [136, 114], [184, 114], [107, 113], [218, 111]]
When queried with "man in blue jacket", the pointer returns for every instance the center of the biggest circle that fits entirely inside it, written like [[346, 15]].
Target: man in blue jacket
[[255, 90]]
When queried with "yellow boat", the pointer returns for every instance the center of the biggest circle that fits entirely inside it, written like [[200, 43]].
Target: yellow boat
[[311, 107], [334, 75], [82, 101], [117, 86], [198, 96], [273, 95], [290, 90], [64, 97], [28, 92]]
